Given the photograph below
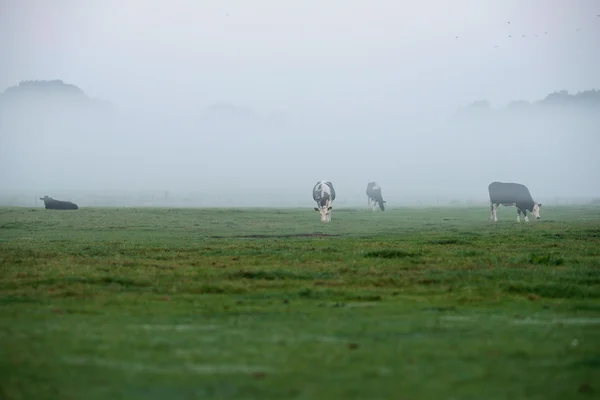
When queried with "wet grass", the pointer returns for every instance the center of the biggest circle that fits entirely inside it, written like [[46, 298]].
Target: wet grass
[[213, 303]]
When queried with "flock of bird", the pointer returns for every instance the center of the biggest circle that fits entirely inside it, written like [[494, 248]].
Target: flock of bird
[[523, 36]]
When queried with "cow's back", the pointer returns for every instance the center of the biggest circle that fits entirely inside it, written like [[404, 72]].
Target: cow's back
[[509, 193], [72, 206], [372, 188], [322, 191]]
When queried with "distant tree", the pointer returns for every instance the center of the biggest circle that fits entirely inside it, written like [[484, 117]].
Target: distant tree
[[581, 100], [563, 98], [36, 108], [591, 97], [557, 98], [46, 87], [36, 93]]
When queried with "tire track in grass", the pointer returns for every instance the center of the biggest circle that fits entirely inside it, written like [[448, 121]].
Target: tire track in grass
[[184, 368]]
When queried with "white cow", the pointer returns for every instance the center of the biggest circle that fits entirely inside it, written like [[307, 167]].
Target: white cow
[[324, 195]]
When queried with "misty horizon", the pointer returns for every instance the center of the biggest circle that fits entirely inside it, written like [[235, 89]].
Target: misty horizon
[[255, 104], [112, 152]]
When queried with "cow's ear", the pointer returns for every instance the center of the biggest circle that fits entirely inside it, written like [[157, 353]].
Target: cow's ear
[[540, 205], [330, 208], [316, 209]]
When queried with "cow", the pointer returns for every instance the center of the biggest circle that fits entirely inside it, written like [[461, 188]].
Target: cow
[[512, 194], [374, 196], [324, 195], [52, 204]]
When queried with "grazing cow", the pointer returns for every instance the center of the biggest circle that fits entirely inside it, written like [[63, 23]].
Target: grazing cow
[[52, 204], [374, 196], [324, 195], [512, 194]]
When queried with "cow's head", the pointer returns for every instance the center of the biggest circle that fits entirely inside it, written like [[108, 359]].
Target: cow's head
[[382, 205], [325, 212], [536, 210]]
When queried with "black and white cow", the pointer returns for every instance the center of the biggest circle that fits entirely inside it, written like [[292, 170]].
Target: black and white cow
[[52, 204], [324, 195], [374, 196], [512, 194]]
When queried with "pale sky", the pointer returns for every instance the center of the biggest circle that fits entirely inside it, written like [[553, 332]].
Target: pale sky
[[366, 85], [307, 57]]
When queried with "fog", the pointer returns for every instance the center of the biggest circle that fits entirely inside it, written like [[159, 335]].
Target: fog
[[227, 103]]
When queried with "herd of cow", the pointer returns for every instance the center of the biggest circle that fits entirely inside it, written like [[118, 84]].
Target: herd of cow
[[507, 194]]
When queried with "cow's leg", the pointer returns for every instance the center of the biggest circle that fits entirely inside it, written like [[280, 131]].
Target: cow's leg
[[491, 216], [525, 214], [495, 212], [518, 215]]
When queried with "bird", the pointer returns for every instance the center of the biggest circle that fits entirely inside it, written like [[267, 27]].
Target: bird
[[496, 46], [456, 37], [522, 36], [510, 36], [509, 21], [577, 30]]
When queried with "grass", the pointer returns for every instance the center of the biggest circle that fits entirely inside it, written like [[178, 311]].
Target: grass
[[271, 304]]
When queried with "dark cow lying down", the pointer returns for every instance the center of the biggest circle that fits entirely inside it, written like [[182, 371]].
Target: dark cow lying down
[[52, 204]]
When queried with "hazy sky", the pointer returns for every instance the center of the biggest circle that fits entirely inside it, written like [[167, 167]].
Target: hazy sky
[[304, 57], [353, 79]]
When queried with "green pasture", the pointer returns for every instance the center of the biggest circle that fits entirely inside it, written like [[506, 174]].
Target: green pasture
[[410, 303]]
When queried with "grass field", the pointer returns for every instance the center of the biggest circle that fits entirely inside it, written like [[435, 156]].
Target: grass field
[[271, 304]]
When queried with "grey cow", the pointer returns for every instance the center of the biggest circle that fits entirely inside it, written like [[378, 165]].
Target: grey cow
[[512, 194]]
